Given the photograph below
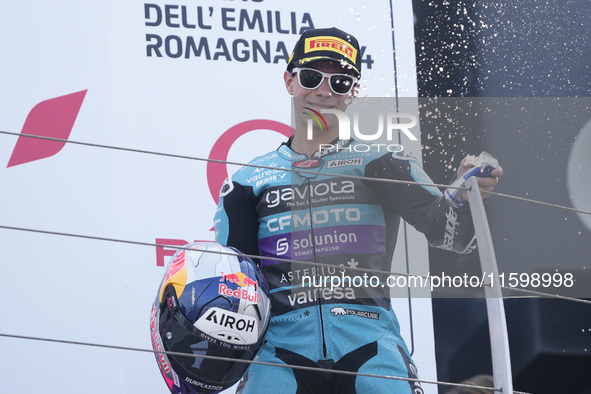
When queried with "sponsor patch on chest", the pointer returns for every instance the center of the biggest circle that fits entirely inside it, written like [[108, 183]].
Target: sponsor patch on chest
[[358, 161]]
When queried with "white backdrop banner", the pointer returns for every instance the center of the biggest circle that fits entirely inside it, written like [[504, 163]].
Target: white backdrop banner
[[201, 79]]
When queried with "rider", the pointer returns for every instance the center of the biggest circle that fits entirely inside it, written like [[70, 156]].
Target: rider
[[317, 214]]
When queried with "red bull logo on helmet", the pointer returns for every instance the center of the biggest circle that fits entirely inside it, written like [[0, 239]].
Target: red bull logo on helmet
[[240, 278], [238, 293]]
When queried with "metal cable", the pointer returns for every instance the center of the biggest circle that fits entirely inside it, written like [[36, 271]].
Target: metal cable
[[376, 271], [547, 295], [251, 256], [537, 293], [314, 369], [547, 204], [301, 171]]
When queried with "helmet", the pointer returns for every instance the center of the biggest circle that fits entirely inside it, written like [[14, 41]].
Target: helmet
[[208, 304]]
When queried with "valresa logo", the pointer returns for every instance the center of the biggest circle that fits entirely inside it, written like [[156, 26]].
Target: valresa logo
[[53, 118]]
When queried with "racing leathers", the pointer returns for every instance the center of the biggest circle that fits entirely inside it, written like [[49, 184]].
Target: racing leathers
[[330, 211]]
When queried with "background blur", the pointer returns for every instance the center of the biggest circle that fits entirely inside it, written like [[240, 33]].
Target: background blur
[[507, 53]]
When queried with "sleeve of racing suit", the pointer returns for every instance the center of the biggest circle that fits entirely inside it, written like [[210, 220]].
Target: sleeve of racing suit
[[236, 220], [424, 207]]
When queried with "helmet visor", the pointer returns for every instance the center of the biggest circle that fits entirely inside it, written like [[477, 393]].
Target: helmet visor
[[179, 335]]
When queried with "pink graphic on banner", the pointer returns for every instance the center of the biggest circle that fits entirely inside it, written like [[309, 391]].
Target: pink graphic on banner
[[53, 118]]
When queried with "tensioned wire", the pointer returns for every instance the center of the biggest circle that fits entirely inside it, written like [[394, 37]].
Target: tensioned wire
[[270, 258], [248, 361], [278, 259], [292, 366], [533, 292], [227, 359], [301, 171]]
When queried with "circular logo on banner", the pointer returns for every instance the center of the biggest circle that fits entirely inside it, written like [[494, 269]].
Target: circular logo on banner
[[217, 172]]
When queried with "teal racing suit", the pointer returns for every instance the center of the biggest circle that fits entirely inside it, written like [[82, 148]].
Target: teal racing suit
[[316, 214]]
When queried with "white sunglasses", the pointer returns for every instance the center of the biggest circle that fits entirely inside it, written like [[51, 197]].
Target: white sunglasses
[[310, 78]]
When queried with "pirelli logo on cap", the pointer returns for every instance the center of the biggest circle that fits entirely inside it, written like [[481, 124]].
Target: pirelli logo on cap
[[327, 43]]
